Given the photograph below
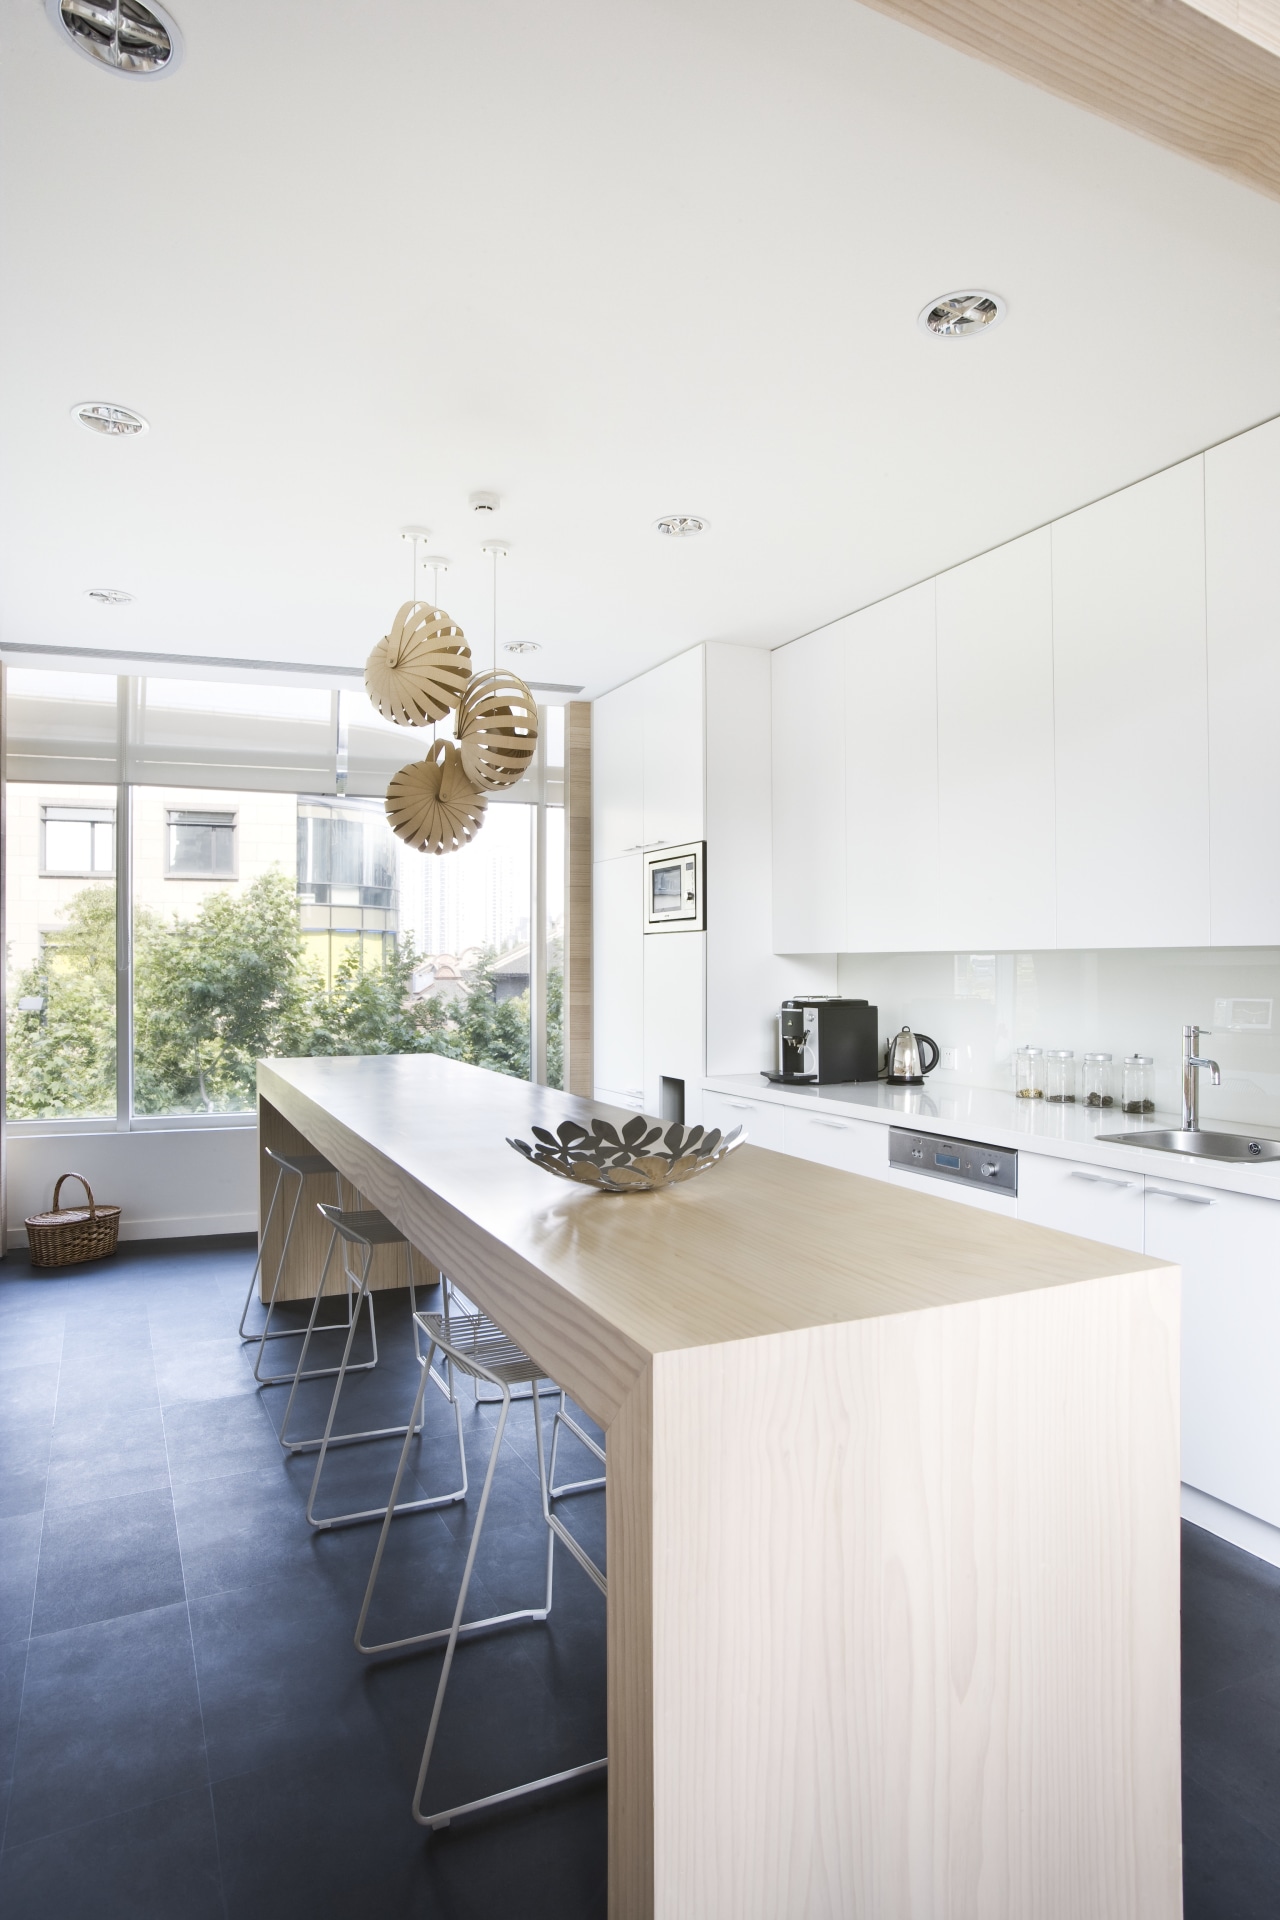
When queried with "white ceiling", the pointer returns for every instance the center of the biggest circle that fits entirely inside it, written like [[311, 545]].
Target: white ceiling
[[611, 259]]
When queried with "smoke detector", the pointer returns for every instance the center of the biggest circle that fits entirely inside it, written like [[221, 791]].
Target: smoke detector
[[109, 596], [956, 316], [680, 525], [139, 41], [114, 423], [484, 503]]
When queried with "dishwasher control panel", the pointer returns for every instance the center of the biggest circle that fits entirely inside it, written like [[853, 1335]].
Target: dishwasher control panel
[[965, 1160]]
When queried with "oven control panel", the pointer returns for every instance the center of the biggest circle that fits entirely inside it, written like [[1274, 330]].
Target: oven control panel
[[965, 1160]]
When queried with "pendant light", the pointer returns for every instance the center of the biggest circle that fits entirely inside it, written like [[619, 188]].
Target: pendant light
[[417, 673], [497, 721]]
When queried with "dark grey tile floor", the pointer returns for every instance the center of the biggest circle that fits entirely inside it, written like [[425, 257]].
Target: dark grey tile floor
[[186, 1729]]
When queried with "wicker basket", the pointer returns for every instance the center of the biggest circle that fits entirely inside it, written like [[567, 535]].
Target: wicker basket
[[65, 1236]]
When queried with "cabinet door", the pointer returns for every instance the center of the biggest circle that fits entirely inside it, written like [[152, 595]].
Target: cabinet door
[[891, 775], [995, 749], [855, 1146], [618, 969], [672, 698], [762, 1122], [1091, 1201], [674, 1020], [617, 772], [1242, 592], [1228, 1246], [1132, 717], [808, 795]]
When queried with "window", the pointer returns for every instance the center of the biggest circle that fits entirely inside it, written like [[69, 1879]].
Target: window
[[302, 925], [77, 841], [201, 846]]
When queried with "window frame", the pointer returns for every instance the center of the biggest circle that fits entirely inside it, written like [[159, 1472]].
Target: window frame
[[75, 816]]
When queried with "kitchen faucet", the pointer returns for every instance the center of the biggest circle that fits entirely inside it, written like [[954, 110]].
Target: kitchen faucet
[[1191, 1065]]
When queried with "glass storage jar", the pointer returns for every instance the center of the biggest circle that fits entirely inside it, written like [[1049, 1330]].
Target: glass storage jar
[[1028, 1073], [1095, 1086], [1060, 1075], [1139, 1083]]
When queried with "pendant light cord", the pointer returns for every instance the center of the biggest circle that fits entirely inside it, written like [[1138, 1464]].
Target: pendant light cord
[[494, 557]]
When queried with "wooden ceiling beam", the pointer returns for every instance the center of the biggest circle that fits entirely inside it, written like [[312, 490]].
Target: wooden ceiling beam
[[1162, 68]]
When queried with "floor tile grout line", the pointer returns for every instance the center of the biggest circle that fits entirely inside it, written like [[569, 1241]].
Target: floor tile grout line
[[35, 1588], [191, 1642]]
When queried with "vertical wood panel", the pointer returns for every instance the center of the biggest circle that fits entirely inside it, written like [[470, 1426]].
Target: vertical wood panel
[[579, 1074], [629, 1526]]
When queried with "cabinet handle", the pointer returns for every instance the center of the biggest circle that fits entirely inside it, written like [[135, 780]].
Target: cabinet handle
[[840, 1126], [1098, 1179], [1187, 1199], [740, 1106]]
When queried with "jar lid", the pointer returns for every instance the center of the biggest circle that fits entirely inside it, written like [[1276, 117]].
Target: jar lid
[[1138, 1060], [1062, 1053], [1097, 1059], [1026, 1052]]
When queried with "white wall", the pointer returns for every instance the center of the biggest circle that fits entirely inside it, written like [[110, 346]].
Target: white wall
[[746, 980], [1120, 1000], [188, 1181]]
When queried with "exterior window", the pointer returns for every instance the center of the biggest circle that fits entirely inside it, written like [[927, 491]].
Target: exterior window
[[78, 841], [201, 846]]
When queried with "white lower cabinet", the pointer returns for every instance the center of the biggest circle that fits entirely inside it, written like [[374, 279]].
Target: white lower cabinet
[[854, 1146], [1228, 1246], [1072, 1198], [760, 1120]]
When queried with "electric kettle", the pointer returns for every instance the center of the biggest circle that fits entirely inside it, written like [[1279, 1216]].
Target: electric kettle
[[904, 1063]]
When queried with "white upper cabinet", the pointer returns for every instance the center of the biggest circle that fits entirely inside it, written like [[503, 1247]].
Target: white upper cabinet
[[808, 795], [617, 772], [1132, 717], [672, 699], [1242, 527], [890, 747], [995, 749]]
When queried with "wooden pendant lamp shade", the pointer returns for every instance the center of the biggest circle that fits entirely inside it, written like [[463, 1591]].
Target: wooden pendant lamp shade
[[419, 671], [497, 729], [433, 805]]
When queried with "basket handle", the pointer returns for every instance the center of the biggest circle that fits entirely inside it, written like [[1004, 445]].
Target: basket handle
[[93, 1214]]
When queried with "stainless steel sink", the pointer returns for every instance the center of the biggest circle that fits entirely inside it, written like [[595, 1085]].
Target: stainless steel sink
[[1202, 1145]]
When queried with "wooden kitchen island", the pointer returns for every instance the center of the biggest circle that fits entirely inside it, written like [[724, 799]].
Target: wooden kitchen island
[[892, 1510]]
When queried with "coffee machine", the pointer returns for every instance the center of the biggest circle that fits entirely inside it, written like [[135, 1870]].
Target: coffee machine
[[823, 1038]]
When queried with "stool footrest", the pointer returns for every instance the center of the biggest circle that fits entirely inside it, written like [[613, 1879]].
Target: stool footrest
[[436, 1820]]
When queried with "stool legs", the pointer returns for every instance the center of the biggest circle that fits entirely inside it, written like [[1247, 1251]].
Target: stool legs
[[284, 1333]]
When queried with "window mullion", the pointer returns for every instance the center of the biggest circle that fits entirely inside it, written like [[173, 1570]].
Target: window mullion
[[124, 919]]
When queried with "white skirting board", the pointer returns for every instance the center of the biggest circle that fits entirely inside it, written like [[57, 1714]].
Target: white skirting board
[[170, 1184], [1245, 1530]]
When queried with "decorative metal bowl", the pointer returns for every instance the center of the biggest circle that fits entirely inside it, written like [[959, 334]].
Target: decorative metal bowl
[[629, 1160]]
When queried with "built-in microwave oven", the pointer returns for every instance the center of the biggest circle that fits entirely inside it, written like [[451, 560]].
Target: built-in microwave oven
[[675, 883]]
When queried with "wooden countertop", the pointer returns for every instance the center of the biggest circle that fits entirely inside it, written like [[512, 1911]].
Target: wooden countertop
[[763, 1244]]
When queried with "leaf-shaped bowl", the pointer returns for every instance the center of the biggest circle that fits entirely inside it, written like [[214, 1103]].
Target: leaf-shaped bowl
[[638, 1158]]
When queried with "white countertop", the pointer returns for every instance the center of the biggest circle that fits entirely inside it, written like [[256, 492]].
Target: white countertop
[[1002, 1120]]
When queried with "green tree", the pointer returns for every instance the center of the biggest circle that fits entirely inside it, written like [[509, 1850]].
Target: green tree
[[62, 1050], [215, 993]]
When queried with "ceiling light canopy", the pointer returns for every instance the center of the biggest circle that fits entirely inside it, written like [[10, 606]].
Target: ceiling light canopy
[[108, 596], [139, 41], [680, 525], [113, 422], [521, 646], [956, 316]]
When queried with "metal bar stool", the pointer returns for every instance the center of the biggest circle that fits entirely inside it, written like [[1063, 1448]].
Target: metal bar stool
[[303, 1167], [563, 1418], [475, 1345], [364, 1230]]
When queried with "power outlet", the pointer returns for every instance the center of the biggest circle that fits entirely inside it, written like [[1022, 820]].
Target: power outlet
[[950, 1059]]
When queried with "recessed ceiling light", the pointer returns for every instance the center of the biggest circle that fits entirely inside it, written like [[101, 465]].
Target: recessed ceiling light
[[955, 316], [116, 423], [522, 646], [680, 525], [141, 42], [109, 596]]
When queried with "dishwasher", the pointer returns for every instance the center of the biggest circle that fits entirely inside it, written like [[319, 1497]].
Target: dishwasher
[[965, 1170]]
